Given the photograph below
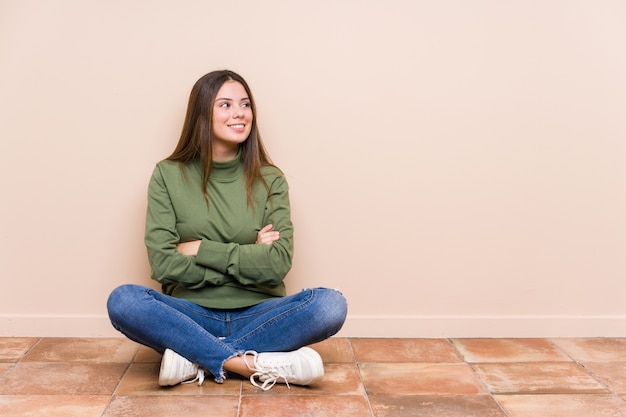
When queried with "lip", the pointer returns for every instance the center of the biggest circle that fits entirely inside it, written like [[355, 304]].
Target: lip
[[237, 126]]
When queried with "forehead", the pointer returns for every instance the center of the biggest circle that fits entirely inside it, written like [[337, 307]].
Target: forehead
[[231, 90]]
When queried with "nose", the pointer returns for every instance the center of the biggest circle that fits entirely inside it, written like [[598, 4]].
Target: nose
[[237, 112]]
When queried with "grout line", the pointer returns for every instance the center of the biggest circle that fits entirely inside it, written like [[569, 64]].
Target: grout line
[[30, 349], [13, 365], [560, 349], [583, 367], [10, 369], [240, 399], [358, 369], [478, 378], [134, 358], [114, 393]]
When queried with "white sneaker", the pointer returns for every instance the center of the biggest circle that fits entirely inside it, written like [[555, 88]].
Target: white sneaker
[[176, 370], [300, 367]]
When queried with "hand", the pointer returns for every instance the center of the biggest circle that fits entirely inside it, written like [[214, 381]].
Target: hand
[[266, 236], [189, 248]]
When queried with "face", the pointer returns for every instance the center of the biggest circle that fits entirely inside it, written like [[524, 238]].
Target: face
[[232, 120]]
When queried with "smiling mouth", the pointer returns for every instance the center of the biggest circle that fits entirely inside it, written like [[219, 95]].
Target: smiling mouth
[[237, 126]]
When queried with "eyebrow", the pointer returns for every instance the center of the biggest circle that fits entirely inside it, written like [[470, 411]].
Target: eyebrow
[[230, 99]]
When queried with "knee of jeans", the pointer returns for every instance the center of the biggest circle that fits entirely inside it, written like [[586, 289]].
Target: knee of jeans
[[119, 300], [334, 305]]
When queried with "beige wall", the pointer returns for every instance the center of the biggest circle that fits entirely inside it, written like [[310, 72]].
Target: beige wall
[[457, 168]]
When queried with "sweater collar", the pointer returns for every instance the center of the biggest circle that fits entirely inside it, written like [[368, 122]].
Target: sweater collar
[[225, 171]]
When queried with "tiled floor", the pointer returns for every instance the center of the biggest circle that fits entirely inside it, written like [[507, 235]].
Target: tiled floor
[[364, 377]]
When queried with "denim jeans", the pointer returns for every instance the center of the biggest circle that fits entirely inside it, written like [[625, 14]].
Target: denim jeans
[[210, 337]]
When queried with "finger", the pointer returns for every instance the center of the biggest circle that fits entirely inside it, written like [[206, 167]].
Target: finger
[[268, 238], [266, 228]]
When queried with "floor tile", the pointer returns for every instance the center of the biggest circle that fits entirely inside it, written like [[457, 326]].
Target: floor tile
[[404, 350], [309, 406], [509, 350], [5, 367], [562, 405], [611, 374], [335, 350], [13, 348], [366, 377], [146, 354], [143, 379], [62, 379], [435, 406], [594, 349], [420, 379], [167, 406], [339, 379], [537, 378], [90, 350], [52, 405]]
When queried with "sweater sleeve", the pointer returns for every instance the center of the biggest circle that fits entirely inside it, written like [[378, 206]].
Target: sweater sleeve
[[254, 264], [168, 265]]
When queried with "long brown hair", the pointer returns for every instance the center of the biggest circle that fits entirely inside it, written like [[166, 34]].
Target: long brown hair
[[196, 138]]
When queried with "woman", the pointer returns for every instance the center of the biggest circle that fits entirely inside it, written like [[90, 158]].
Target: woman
[[220, 241]]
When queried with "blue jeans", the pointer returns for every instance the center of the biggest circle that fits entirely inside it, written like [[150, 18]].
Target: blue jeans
[[209, 337]]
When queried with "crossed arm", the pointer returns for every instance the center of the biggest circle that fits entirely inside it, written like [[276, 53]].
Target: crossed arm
[[265, 236]]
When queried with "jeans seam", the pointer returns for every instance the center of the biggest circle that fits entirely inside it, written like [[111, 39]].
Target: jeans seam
[[183, 306], [274, 319], [221, 374]]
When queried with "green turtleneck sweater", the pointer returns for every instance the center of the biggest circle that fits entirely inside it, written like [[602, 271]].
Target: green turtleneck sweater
[[230, 269]]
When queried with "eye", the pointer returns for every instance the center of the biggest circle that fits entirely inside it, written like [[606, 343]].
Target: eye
[[245, 104], [225, 104]]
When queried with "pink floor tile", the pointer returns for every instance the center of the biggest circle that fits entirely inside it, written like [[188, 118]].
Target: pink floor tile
[[88, 350], [13, 349], [5, 368], [594, 349], [562, 405], [509, 350], [420, 379], [435, 406], [62, 379], [611, 374], [147, 355], [404, 350], [53, 405], [309, 406], [335, 350], [537, 378], [167, 406]]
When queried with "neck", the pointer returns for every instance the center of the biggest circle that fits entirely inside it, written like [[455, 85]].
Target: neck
[[224, 153]]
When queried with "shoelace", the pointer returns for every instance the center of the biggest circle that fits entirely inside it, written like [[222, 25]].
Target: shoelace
[[268, 376], [199, 377]]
